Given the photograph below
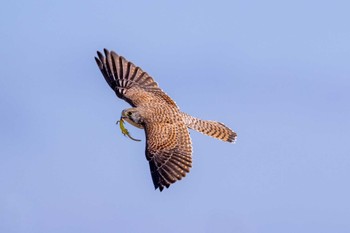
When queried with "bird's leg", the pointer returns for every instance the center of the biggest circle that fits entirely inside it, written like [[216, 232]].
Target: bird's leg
[[125, 132]]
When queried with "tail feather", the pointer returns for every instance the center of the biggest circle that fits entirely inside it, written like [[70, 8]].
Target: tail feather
[[211, 128]]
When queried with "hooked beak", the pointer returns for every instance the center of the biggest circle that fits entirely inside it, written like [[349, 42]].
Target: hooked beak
[[123, 116]]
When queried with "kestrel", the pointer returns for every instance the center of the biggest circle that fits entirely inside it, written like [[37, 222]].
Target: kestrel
[[168, 142]]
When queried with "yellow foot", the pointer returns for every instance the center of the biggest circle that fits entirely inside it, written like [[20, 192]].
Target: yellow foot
[[125, 131]]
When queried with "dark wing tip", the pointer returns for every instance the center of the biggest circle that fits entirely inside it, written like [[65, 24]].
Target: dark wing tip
[[99, 63], [160, 188], [159, 181], [158, 184], [100, 55], [106, 51]]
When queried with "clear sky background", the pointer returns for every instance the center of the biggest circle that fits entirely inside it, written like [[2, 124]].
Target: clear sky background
[[277, 72]]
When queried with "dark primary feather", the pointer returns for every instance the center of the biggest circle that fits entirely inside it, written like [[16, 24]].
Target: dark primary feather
[[122, 75], [168, 166]]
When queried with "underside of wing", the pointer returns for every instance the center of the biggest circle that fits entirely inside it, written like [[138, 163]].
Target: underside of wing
[[168, 151], [128, 81]]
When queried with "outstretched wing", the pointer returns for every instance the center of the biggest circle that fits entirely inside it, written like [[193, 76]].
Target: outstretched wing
[[130, 82], [168, 151]]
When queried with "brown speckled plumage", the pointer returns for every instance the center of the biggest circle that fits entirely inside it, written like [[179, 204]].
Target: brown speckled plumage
[[168, 142]]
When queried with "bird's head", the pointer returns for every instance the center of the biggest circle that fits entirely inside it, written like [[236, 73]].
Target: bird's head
[[133, 116]]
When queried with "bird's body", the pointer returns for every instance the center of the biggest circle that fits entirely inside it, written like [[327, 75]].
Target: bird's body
[[168, 142]]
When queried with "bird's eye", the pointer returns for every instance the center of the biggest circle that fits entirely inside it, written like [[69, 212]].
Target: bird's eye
[[129, 114]]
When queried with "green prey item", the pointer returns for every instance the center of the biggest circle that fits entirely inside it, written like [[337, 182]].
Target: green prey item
[[125, 131]]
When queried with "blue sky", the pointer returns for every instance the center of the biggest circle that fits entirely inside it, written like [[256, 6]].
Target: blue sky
[[277, 72]]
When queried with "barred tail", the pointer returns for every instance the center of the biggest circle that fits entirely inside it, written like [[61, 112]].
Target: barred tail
[[211, 128]]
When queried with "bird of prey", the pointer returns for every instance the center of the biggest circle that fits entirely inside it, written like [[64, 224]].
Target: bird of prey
[[168, 142]]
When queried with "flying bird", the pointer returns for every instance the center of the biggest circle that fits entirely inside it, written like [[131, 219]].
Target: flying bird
[[168, 142]]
